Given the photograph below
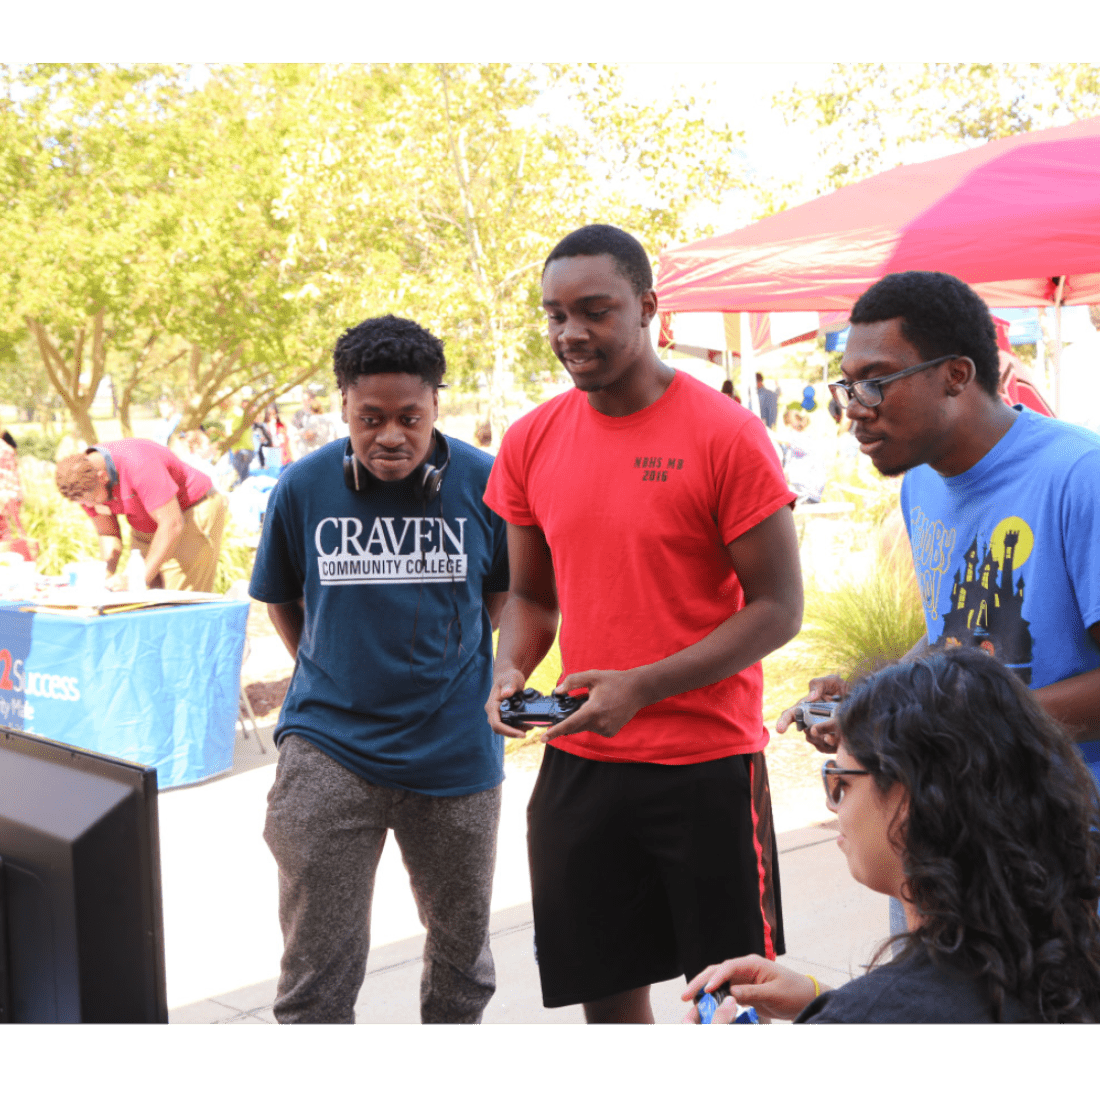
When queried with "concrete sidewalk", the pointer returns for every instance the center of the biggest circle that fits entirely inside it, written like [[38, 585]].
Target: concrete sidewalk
[[222, 933]]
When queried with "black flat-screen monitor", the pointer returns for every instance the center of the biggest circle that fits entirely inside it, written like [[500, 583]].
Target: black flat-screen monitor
[[81, 928]]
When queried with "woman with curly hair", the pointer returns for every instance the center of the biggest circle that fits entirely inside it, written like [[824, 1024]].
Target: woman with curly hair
[[958, 795]]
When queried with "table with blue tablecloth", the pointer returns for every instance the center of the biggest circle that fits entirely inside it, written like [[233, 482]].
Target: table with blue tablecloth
[[157, 686]]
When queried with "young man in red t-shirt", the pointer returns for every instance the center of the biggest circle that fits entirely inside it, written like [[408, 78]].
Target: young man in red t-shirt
[[654, 513]]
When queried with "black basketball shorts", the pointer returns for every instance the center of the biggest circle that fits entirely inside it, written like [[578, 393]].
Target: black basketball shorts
[[643, 872]]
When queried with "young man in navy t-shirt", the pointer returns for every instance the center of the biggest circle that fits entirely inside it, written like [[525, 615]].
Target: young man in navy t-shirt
[[385, 573]]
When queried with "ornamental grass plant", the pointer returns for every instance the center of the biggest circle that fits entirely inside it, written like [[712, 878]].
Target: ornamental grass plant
[[871, 617], [236, 558]]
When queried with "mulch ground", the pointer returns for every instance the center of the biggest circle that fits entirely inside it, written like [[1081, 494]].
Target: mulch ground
[[266, 696]]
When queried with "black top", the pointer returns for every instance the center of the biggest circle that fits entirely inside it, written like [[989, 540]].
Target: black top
[[913, 990]]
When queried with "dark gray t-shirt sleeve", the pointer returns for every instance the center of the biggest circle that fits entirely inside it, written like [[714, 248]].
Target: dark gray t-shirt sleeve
[[910, 991]]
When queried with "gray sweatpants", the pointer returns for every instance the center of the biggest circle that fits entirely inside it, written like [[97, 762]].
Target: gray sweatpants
[[326, 828]]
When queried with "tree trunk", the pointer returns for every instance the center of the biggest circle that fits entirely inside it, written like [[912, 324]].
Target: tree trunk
[[497, 391], [144, 368], [124, 410], [65, 374], [222, 379]]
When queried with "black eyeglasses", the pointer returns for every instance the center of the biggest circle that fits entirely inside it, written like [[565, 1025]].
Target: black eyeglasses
[[869, 391], [834, 788]]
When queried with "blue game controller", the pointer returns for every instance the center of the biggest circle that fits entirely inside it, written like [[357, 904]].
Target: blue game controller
[[707, 1004]]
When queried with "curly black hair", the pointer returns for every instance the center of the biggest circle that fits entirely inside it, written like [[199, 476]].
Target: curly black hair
[[607, 240], [388, 345], [940, 315], [1001, 838]]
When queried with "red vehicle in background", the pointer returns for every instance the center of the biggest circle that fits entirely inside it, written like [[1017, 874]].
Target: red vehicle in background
[[1017, 380]]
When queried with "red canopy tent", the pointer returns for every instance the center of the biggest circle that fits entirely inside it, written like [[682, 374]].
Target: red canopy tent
[[1018, 219]]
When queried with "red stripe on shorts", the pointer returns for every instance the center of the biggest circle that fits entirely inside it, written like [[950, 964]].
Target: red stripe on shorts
[[761, 869]]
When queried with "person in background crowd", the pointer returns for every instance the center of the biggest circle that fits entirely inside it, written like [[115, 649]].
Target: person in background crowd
[[168, 422], [261, 438], [729, 391], [769, 402], [12, 536], [803, 462], [277, 430], [298, 420], [315, 428], [960, 798], [234, 414], [483, 437], [176, 516], [196, 449]]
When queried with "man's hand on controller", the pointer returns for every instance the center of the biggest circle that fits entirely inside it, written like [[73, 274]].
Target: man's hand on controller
[[613, 700], [505, 683], [824, 736]]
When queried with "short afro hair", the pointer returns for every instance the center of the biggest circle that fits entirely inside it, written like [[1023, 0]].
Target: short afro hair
[[940, 315], [607, 240], [76, 477], [388, 345]]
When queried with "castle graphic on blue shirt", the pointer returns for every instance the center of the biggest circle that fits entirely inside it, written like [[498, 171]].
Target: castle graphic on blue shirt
[[987, 603]]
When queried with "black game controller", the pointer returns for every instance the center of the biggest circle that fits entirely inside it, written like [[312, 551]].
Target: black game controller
[[532, 708], [809, 714]]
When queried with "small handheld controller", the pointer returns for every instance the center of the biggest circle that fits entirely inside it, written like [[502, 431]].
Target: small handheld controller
[[707, 1003], [809, 714], [532, 708]]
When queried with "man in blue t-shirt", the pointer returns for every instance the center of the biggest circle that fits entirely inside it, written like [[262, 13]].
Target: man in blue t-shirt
[[1002, 505], [385, 573]]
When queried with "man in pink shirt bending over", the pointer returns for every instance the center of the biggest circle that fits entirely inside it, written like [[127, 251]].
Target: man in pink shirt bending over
[[176, 516]]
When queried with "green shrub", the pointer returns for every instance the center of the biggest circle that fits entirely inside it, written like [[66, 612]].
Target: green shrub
[[63, 531], [873, 618], [235, 562], [873, 495], [37, 444]]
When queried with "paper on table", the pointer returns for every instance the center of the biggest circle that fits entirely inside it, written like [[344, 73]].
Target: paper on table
[[104, 602]]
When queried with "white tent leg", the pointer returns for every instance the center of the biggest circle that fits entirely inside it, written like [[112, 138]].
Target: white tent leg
[[748, 372], [1057, 364]]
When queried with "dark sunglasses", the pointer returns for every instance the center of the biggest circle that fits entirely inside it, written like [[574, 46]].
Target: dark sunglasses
[[831, 772], [869, 391]]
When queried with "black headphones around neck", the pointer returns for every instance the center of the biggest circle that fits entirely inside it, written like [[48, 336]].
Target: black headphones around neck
[[426, 480]]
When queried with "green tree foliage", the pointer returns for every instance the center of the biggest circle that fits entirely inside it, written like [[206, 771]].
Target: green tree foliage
[[74, 172], [434, 204], [873, 617], [446, 185], [233, 285], [23, 380], [204, 237], [873, 113]]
